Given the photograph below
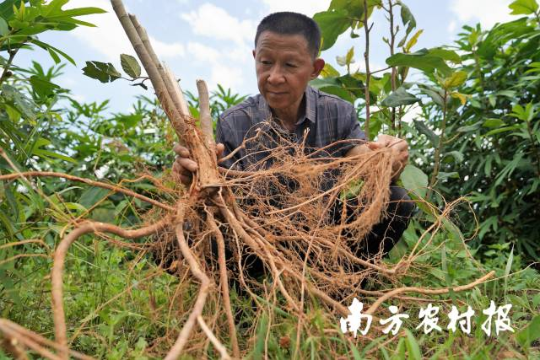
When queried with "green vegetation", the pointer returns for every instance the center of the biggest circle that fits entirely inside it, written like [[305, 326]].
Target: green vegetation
[[475, 153]]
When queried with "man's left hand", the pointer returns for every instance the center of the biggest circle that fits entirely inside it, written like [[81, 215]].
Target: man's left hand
[[400, 152]]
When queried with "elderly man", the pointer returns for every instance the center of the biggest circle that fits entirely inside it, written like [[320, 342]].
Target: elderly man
[[286, 49]]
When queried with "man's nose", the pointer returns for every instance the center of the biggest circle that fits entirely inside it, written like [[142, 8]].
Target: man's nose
[[276, 75]]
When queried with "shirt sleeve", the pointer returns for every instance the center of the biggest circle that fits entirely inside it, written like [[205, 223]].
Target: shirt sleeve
[[352, 132]]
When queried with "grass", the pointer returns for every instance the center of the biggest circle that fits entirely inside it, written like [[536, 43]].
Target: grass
[[119, 306]]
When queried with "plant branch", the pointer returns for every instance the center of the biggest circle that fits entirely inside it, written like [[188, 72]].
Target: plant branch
[[35, 341], [534, 147], [58, 268], [368, 74], [217, 344], [438, 150], [88, 182], [425, 291], [224, 282], [204, 111], [392, 51], [206, 284], [4, 76]]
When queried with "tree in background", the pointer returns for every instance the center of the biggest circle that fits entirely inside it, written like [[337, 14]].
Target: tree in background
[[477, 134]]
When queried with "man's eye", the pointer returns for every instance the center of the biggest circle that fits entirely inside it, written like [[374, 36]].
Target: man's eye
[[291, 65], [266, 62]]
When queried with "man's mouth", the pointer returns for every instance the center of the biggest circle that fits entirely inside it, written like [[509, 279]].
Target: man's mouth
[[277, 93]]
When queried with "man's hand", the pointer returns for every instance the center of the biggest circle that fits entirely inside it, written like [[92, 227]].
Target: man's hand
[[399, 148], [400, 152], [184, 167]]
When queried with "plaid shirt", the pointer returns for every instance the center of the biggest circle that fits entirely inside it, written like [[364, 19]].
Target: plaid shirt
[[326, 119]]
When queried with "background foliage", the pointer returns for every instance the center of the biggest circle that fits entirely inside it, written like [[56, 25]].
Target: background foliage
[[475, 136]]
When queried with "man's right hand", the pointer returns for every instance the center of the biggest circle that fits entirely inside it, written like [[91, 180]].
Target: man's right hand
[[184, 167]]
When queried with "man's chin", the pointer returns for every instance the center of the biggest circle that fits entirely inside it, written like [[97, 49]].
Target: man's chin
[[276, 104], [278, 101]]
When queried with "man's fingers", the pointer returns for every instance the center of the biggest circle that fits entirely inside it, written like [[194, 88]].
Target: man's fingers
[[405, 156], [220, 148], [185, 179], [187, 164], [384, 140], [374, 146], [176, 168], [182, 174], [401, 145], [182, 151]]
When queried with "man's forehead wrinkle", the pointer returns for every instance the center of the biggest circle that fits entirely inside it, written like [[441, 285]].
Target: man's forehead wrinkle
[[292, 42], [268, 46], [285, 53]]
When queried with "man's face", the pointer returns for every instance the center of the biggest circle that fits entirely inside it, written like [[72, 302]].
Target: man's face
[[284, 67]]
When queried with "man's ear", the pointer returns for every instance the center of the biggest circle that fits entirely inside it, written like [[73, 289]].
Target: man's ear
[[318, 65], [253, 52]]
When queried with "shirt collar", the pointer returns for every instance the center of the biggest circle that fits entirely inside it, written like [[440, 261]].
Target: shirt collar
[[311, 106]]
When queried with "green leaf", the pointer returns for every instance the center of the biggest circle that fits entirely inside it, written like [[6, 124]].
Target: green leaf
[[525, 7], [493, 123], [413, 41], [346, 87], [6, 8], [455, 80], [399, 97], [436, 94], [43, 88], [24, 105], [507, 270], [51, 154], [414, 180], [347, 59], [536, 300], [70, 13], [470, 128], [92, 196], [448, 274], [4, 29], [354, 8], [530, 334], [352, 190], [526, 113], [130, 65], [54, 7], [13, 114], [407, 18], [458, 156], [53, 51], [424, 129], [332, 24], [54, 56], [130, 120], [421, 60], [339, 92], [326, 82], [413, 349], [262, 333], [461, 97], [353, 85], [503, 129], [447, 175], [445, 54], [104, 72], [329, 71]]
